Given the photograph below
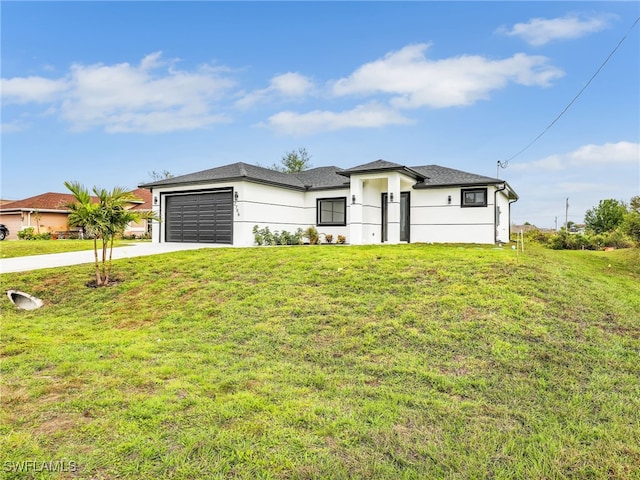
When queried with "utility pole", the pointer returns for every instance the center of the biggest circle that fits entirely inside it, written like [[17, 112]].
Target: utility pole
[[556, 221], [566, 216]]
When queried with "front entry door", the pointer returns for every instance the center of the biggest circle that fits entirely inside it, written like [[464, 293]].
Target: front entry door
[[405, 222]]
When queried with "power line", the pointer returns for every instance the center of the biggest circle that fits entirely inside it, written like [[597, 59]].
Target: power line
[[504, 163]]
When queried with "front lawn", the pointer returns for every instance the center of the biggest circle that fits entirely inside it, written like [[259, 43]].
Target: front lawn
[[407, 361], [23, 248]]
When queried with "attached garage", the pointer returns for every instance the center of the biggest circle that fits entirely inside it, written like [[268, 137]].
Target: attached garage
[[199, 217]]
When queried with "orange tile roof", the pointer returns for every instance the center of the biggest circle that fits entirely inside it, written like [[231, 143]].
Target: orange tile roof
[[57, 201], [145, 196], [44, 201]]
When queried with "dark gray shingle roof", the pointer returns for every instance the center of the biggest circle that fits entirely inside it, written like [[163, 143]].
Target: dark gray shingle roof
[[234, 171], [376, 165], [382, 166], [322, 177], [326, 177], [437, 176]]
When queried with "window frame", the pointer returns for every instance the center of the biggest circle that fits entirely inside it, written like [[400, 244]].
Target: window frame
[[464, 191], [319, 202]]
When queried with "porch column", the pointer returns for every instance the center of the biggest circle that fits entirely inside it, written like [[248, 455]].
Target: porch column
[[355, 201], [393, 208]]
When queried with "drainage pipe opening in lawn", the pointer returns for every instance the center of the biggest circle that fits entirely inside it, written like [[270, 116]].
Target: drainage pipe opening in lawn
[[24, 301]]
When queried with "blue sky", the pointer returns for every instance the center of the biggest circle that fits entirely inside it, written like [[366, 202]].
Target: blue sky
[[105, 93]]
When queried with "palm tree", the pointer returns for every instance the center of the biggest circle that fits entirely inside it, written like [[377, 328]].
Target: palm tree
[[85, 213], [117, 215], [103, 219]]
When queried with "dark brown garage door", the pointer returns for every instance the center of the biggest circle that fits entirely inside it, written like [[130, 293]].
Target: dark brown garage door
[[200, 217]]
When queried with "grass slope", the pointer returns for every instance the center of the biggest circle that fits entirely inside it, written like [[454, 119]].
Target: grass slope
[[23, 248], [407, 361]]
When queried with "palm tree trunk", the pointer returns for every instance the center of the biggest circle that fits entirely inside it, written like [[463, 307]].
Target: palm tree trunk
[[95, 252], [110, 255], [104, 257]]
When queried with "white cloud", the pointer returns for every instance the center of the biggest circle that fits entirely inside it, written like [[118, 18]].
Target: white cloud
[[363, 116], [288, 85], [540, 31], [31, 89], [586, 156], [151, 61], [291, 84], [416, 81], [128, 98]]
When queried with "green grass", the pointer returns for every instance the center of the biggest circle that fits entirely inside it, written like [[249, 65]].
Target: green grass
[[409, 361], [23, 248]]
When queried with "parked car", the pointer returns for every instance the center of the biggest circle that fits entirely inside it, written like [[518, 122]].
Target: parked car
[[4, 232]]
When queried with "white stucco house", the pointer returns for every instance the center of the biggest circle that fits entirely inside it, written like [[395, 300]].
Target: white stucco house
[[379, 202]]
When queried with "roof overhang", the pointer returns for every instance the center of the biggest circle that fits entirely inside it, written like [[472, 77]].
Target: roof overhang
[[510, 192], [201, 183], [404, 170], [420, 186], [512, 195]]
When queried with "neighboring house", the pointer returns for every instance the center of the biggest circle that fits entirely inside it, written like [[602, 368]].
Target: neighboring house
[[373, 203], [578, 228], [47, 213], [142, 228]]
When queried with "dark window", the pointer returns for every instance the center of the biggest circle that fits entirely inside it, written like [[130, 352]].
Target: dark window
[[476, 197], [331, 211]]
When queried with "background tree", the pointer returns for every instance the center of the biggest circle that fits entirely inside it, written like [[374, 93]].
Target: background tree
[[294, 161], [157, 176], [103, 219], [631, 226], [606, 217], [631, 222]]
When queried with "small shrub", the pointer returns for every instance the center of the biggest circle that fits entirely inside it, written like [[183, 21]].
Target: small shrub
[[285, 238], [536, 235], [566, 241], [269, 238], [26, 234], [342, 239], [257, 235], [618, 239], [557, 241], [312, 235], [29, 234], [264, 236]]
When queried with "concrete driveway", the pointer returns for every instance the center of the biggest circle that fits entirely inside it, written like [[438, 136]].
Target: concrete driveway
[[36, 262]]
